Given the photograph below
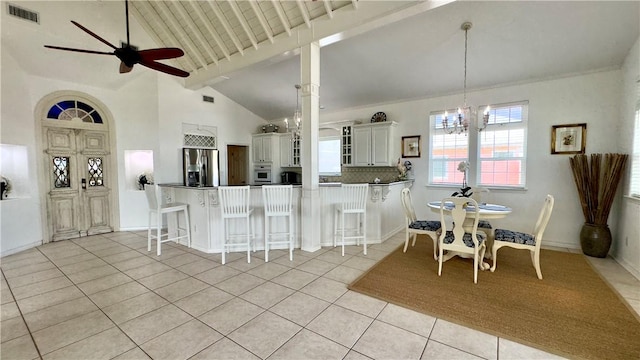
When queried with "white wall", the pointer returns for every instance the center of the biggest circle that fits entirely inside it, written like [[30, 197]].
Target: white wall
[[626, 246], [592, 98]]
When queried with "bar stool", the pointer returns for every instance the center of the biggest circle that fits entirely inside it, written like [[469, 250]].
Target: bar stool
[[157, 209], [277, 203], [234, 205], [354, 202]]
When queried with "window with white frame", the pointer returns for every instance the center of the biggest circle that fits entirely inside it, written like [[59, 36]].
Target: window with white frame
[[497, 154], [329, 156], [634, 183]]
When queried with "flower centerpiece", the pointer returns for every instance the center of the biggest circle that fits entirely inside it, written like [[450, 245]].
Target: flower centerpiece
[[5, 187], [465, 190], [143, 179]]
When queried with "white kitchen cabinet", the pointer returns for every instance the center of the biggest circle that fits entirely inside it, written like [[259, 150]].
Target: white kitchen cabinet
[[375, 144], [290, 150], [264, 146]]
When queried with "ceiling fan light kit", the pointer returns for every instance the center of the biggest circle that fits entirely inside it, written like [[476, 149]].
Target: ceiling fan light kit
[[129, 55]]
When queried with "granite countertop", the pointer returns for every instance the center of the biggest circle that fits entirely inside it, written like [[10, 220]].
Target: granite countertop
[[327, 184]]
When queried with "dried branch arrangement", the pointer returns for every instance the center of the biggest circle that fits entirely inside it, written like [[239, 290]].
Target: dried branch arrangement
[[596, 182]]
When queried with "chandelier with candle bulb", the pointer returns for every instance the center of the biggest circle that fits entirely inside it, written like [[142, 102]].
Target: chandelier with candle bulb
[[297, 116]]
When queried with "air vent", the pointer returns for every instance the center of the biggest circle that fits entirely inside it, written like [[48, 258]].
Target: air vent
[[23, 13], [206, 98]]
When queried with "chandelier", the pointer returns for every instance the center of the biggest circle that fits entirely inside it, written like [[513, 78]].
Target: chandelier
[[297, 115], [462, 120]]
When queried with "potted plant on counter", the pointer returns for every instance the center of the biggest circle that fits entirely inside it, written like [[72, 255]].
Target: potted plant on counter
[[596, 183]]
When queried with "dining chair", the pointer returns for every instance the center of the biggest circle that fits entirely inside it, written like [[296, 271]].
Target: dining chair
[[235, 209], [480, 195], [278, 204], [460, 240], [156, 210], [353, 201], [527, 241], [415, 227]]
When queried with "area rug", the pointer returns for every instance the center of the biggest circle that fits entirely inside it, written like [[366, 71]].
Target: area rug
[[572, 312]]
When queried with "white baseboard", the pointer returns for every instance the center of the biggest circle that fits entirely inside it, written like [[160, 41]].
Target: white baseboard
[[627, 266]]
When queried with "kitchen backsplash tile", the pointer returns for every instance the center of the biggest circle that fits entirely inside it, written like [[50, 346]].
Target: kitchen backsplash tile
[[365, 175]]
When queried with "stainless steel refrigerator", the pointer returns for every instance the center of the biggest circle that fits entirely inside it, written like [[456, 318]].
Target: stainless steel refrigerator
[[200, 167]]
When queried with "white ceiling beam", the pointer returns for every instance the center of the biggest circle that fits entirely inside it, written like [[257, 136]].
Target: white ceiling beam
[[226, 25], [154, 16], [327, 7], [262, 20], [187, 19], [282, 16], [243, 22], [214, 34], [184, 37], [304, 12]]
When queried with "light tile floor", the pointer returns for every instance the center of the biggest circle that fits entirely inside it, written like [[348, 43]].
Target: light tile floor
[[106, 297]]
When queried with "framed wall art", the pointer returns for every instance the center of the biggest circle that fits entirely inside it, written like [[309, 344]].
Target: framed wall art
[[411, 146], [568, 139]]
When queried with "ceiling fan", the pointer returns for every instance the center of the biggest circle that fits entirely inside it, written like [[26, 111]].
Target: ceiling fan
[[129, 56]]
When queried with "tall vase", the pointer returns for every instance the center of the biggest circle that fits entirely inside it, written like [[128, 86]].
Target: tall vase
[[595, 240]]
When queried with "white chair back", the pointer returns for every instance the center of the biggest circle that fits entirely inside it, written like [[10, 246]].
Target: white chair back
[[407, 205], [354, 197], [480, 194], [458, 214], [153, 193], [234, 200], [277, 199], [543, 219]]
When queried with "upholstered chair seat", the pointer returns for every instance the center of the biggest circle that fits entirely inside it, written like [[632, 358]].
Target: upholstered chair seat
[[466, 238], [515, 237], [427, 225]]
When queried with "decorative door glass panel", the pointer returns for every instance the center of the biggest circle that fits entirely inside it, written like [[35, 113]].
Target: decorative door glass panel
[[61, 172], [94, 166]]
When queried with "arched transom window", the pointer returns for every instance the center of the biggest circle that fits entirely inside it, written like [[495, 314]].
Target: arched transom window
[[73, 110]]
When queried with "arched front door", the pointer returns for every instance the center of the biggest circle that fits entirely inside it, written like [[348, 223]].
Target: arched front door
[[78, 176]]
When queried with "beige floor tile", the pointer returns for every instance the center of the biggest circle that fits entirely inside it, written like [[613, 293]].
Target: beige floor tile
[[198, 267], [354, 355], [362, 304], [239, 261], [410, 320], [230, 315], [340, 325], [13, 270], [465, 339], [9, 311], [325, 289], [12, 328], [217, 275], [436, 350], [5, 294], [81, 266], [167, 252], [511, 350], [240, 283], [20, 348], [60, 335], [164, 278], [268, 270], [134, 307], [344, 274], [298, 259], [147, 270], [22, 258], [309, 345], [359, 263], [154, 323], [41, 287], [267, 294], [182, 342], [117, 294], [181, 289], [334, 257], [134, 354], [374, 254], [56, 314], [225, 349], [384, 341], [122, 256], [182, 259], [133, 262], [116, 249], [74, 259], [300, 308], [264, 334], [294, 279], [104, 283], [203, 301], [92, 274], [317, 267], [104, 345], [50, 298]]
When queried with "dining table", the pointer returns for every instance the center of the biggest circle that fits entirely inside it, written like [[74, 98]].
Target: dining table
[[485, 212]]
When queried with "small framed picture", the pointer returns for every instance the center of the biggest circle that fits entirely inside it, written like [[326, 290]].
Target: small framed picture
[[568, 139], [411, 146]]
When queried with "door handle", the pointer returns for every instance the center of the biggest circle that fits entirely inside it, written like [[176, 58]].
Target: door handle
[[84, 184]]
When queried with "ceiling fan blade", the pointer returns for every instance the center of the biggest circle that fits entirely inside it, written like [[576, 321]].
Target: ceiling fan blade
[[124, 68], [164, 68], [160, 54], [79, 50], [94, 35]]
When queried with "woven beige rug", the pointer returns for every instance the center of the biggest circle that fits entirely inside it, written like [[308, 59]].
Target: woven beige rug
[[572, 312]]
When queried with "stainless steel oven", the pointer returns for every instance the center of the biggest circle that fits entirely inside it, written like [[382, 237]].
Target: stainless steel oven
[[262, 174]]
